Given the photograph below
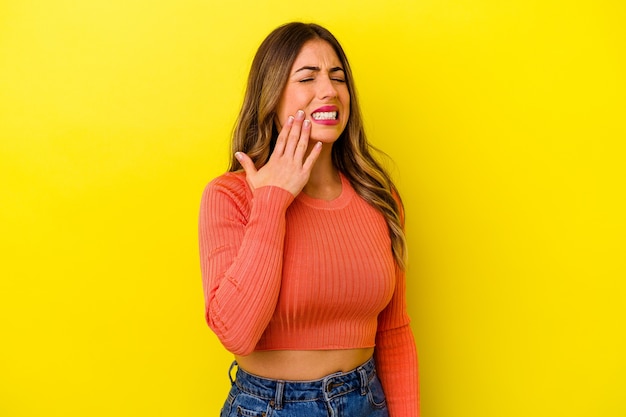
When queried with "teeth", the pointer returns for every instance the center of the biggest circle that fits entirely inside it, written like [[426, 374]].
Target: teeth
[[325, 115]]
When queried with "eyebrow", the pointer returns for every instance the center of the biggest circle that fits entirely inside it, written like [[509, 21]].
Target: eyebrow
[[309, 68]]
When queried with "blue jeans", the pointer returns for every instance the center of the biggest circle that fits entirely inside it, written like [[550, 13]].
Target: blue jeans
[[357, 393]]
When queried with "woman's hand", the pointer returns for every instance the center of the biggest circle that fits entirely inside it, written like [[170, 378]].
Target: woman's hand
[[288, 167]]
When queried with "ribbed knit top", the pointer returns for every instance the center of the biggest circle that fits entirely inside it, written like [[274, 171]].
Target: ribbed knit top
[[305, 274]]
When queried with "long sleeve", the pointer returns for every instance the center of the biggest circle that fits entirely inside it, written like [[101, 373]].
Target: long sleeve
[[396, 355], [241, 238]]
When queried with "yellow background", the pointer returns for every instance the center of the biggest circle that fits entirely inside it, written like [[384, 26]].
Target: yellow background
[[506, 122]]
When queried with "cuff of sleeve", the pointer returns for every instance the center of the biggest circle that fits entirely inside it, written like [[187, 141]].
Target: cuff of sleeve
[[272, 197]]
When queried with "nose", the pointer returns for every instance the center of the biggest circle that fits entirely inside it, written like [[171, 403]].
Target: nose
[[326, 88]]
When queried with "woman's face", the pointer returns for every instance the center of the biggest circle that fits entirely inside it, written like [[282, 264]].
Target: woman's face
[[317, 85]]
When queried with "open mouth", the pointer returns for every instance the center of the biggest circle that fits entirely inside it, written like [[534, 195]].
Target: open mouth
[[325, 115]]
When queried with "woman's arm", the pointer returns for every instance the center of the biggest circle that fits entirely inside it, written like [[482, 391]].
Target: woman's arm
[[242, 230], [396, 356], [241, 252]]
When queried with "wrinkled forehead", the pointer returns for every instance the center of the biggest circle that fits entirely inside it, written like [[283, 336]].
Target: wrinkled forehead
[[316, 53]]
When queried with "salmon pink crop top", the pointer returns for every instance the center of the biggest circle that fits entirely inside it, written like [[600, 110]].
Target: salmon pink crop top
[[285, 273]]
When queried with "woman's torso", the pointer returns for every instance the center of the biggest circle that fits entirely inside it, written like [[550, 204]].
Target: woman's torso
[[303, 365]]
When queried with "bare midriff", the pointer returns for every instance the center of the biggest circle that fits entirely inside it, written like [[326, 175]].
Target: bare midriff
[[303, 365]]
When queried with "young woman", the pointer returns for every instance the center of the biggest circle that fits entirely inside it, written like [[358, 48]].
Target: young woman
[[302, 246]]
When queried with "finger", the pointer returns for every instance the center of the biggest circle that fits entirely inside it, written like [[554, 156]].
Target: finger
[[312, 158], [303, 141], [294, 133], [279, 148], [246, 163]]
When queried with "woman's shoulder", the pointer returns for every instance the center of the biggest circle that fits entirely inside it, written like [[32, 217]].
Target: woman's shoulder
[[229, 179], [230, 184]]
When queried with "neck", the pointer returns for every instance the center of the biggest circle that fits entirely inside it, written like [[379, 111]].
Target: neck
[[324, 182]]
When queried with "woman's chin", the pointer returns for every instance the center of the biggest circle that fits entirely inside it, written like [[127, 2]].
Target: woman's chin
[[324, 137]]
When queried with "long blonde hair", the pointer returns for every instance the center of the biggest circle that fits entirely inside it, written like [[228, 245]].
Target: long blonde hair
[[255, 131]]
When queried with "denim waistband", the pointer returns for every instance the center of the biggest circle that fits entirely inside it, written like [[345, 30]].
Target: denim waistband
[[327, 388]]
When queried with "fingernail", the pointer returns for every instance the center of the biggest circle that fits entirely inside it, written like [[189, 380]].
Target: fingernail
[[300, 114], [238, 156], [306, 123], [290, 119]]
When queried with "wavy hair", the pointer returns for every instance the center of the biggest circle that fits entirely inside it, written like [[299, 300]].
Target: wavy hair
[[255, 132]]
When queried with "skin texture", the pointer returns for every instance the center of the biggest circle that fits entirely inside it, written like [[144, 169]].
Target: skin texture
[[316, 80], [301, 162]]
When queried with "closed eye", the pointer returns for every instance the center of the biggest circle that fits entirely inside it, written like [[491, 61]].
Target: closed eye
[[338, 80]]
